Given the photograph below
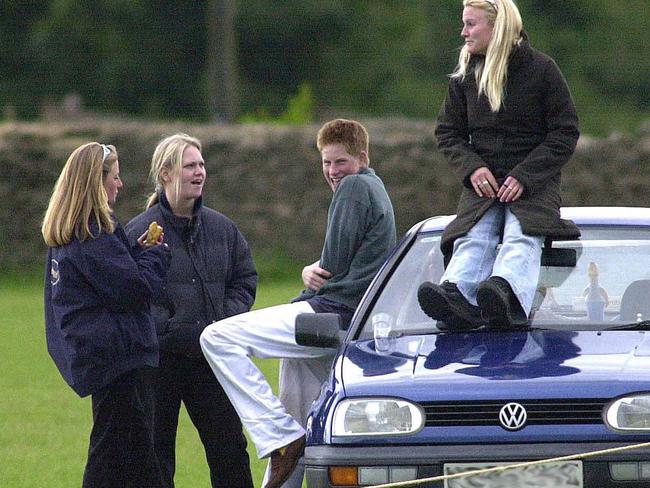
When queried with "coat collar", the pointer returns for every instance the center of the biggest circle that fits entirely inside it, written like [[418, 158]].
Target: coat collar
[[521, 53], [175, 220]]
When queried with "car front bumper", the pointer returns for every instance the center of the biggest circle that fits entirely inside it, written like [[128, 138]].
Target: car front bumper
[[429, 460]]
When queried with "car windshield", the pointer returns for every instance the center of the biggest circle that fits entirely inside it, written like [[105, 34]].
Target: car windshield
[[606, 284]]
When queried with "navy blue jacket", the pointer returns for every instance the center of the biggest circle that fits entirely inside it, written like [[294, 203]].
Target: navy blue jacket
[[97, 320], [212, 275]]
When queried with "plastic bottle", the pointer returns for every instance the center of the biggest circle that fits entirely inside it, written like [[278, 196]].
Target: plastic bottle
[[595, 296]]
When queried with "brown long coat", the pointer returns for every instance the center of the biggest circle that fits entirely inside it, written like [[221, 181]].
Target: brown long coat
[[531, 138]]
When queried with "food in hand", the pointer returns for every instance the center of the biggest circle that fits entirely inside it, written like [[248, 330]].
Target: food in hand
[[153, 234]]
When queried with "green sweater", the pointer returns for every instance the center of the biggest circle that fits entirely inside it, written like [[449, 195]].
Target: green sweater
[[360, 234]]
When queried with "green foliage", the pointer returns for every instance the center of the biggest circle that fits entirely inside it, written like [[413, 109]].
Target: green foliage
[[299, 111], [384, 57], [597, 43], [44, 426]]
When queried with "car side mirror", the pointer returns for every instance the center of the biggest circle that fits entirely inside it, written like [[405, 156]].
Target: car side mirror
[[319, 330]]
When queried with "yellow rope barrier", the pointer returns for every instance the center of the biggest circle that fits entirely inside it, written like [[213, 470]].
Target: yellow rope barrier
[[512, 466]]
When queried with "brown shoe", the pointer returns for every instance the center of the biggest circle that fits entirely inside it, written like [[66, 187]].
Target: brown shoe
[[283, 462]]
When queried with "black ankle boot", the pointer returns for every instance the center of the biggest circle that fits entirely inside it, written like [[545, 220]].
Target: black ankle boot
[[499, 304], [446, 304]]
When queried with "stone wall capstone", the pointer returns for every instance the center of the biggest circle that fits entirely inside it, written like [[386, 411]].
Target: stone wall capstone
[[267, 178]]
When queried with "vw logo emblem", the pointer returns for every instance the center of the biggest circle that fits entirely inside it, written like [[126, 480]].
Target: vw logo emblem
[[513, 416]]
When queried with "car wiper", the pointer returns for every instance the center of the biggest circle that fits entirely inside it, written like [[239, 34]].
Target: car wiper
[[520, 328], [487, 328], [643, 325]]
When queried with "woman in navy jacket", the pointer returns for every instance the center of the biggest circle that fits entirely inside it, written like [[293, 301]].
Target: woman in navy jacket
[[99, 330], [211, 277]]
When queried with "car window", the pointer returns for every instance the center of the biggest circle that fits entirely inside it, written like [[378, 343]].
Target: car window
[[613, 263]]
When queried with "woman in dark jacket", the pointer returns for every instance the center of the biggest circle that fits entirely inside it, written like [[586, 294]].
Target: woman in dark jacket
[[508, 125], [211, 277], [99, 330]]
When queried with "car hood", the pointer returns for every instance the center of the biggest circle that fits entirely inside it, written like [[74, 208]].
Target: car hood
[[535, 364]]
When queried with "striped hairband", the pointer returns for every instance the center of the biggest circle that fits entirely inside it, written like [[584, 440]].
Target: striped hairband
[[494, 4]]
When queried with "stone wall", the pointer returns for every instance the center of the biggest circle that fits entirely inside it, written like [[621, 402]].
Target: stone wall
[[267, 178]]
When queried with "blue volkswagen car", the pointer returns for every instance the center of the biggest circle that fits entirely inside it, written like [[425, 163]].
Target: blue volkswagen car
[[407, 401]]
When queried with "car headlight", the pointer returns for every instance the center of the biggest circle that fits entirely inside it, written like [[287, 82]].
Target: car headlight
[[629, 413], [376, 416]]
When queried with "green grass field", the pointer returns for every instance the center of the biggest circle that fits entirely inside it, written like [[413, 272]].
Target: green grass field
[[44, 425]]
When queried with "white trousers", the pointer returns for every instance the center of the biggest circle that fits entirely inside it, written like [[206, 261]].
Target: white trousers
[[228, 346], [300, 384]]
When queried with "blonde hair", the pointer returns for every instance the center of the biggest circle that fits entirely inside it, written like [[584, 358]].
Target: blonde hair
[[492, 73], [79, 195], [350, 133], [168, 155]]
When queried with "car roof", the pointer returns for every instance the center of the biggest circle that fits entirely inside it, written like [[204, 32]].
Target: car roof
[[632, 216]]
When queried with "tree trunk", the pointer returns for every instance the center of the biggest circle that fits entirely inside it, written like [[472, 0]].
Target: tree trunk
[[221, 62]]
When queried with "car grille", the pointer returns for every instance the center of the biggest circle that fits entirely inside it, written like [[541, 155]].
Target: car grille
[[540, 412]]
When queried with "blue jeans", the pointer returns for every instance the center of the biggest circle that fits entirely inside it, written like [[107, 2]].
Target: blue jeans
[[477, 256]]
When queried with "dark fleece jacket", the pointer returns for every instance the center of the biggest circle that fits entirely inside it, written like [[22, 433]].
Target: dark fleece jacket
[[530, 138], [212, 275]]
